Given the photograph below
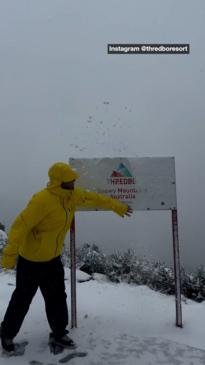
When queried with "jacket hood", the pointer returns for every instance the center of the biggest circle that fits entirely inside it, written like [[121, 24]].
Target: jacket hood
[[61, 172], [58, 173]]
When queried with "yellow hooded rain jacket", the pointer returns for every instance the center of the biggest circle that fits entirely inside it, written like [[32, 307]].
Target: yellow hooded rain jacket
[[39, 231]]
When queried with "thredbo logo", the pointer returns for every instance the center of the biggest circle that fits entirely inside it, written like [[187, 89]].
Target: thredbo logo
[[123, 184], [121, 176]]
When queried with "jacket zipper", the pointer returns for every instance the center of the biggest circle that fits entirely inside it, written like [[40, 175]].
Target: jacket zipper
[[66, 220]]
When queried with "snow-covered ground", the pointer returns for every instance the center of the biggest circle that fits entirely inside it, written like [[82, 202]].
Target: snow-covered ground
[[117, 324]]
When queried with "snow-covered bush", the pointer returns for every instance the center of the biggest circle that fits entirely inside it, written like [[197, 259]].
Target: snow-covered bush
[[3, 239], [162, 278], [193, 284], [130, 268], [121, 266], [90, 259]]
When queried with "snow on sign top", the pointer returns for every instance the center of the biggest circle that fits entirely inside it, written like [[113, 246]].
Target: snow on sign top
[[146, 183]]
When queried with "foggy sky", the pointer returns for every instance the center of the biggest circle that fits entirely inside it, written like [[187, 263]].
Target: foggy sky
[[55, 75]]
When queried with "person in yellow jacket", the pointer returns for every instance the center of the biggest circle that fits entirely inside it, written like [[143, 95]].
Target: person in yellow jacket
[[35, 242]]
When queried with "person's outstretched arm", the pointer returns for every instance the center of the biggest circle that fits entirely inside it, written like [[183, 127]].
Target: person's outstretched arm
[[92, 199]]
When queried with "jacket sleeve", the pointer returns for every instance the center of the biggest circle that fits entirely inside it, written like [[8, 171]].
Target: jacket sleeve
[[24, 222], [92, 199]]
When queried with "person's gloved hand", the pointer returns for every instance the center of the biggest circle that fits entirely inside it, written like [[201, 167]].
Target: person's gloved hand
[[129, 211], [8, 261]]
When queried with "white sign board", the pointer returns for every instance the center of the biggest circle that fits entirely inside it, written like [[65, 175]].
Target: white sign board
[[146, 183]]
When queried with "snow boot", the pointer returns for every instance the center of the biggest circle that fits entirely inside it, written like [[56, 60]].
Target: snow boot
[[9, 348], [7, 345], [57, 344]]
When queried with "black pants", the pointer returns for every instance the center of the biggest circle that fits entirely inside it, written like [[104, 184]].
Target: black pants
[[49, 277]]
